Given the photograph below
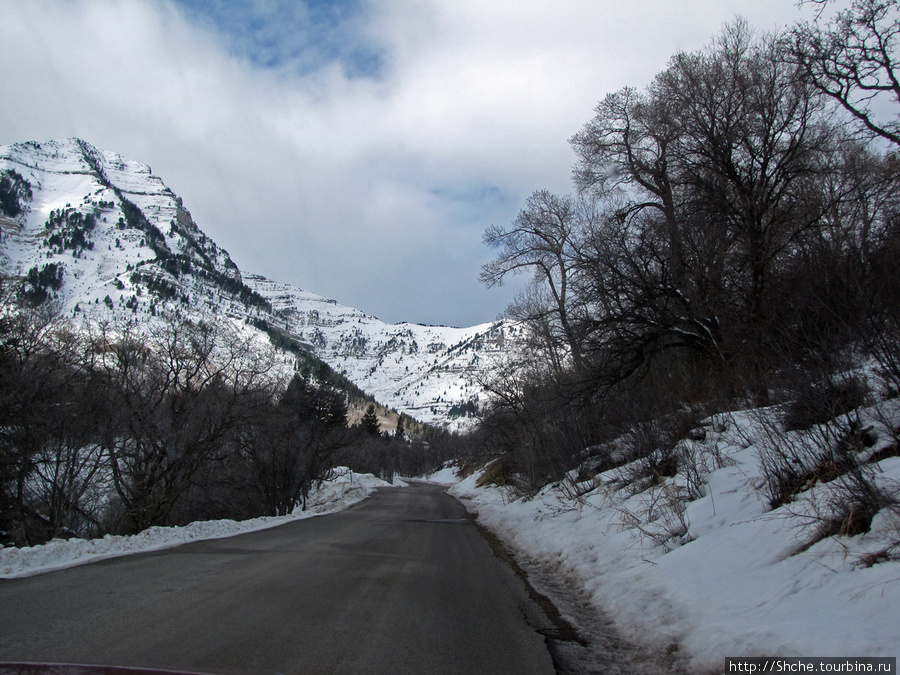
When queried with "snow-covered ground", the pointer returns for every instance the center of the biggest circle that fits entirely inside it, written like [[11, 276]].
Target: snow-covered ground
[[345, 490], [445, 476], [721, 576]]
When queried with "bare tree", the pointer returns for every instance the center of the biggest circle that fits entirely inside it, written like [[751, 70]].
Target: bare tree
[[34, 381], [852, 60], [177, 390], [543, 240], [70, 481], [637, 310], [707, 180], [626, 150]]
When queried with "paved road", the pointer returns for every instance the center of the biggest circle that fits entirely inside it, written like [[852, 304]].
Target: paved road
[[402, 583]]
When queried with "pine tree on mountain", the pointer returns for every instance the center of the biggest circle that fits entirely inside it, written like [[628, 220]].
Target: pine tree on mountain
[[400, 433], [370, 421]]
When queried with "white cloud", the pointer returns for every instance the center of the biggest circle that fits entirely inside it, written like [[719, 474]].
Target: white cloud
[[374, 191]]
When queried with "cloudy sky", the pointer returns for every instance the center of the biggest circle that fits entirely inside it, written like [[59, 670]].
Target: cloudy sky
[[355, 148]]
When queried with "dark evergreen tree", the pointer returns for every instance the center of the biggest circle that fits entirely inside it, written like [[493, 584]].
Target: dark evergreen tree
[[370, 421]]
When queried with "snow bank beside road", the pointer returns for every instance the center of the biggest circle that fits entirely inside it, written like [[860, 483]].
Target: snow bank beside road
[[733, 580], [345, 490], [444, 476]]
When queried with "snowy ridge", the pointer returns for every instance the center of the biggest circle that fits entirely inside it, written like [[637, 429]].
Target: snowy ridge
[[102, 235], [112, 228], [430, 372]]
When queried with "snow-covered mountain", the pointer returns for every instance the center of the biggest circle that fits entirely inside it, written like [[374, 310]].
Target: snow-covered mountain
[[93, 227], [433, 373], [90, 228]]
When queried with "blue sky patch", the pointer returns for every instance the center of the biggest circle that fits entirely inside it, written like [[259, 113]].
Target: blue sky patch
[[295, 36]]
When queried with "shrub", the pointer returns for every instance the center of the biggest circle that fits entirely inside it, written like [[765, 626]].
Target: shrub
[[819, 403], [497, 473], [850, 506], [793, 462]]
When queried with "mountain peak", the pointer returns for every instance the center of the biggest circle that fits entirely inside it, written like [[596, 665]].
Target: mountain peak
[[98, 232]]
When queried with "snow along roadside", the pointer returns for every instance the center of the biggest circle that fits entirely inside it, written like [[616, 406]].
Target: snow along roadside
[[739, 584], [344, 491]]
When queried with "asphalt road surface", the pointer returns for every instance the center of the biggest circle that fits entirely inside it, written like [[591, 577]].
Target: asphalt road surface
[[402, 583]]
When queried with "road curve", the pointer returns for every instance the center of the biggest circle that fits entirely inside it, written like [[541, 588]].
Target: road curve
[[402, 583]]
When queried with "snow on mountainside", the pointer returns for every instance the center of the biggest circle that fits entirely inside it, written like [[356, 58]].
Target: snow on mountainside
[[100, 228], [97, 232], [430, 372]]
